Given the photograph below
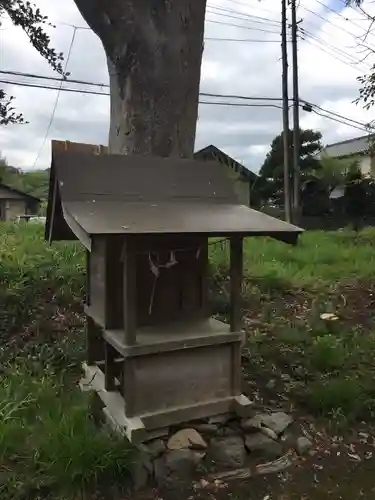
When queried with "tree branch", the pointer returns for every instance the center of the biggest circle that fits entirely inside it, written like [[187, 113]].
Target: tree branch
[[24, 14], [30, 19], [7, 112]]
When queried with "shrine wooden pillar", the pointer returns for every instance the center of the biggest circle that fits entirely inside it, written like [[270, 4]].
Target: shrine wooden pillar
[[236, 275], [236, 272], [94, 338]]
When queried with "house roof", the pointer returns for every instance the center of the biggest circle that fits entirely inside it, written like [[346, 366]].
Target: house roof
[[215, 153], [358, 145], [117, 194], [21, 193]]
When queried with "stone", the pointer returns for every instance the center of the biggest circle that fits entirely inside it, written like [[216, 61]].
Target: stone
[[269, 433], [219, 419], [140, 477], [261, 444], [176, 468], [206, 428], [303, 446], [228, 431], [288, 439], [278, 422], [155, 448], [252, 424], [157, 433], [243, 406], [142, 469], [228, 451], [186, 439], [232, 428]]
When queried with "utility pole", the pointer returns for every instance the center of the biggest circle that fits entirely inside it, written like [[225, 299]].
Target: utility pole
[[284, 57], [296, 129]]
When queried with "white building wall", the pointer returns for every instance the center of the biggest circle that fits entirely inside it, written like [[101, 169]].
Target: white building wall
[[365, 165]]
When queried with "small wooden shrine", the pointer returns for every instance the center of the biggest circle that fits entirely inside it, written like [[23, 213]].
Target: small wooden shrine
[[155, 355]]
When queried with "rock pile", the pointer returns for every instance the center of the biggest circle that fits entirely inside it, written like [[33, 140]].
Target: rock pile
[[214, 444]]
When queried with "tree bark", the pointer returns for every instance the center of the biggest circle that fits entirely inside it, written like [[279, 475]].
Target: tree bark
[[154, 53]]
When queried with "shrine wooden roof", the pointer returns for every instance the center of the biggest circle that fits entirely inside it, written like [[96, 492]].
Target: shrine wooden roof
[[94, 194]]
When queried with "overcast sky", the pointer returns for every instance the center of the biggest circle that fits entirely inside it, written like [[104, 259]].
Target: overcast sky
[[329, 59]]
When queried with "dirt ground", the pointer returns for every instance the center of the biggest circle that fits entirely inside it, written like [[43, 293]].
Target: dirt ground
[[341, 468]]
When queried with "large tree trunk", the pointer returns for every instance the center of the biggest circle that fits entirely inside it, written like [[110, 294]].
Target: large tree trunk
[[154, 52]]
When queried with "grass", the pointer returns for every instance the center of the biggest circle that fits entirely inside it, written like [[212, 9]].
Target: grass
[[48, 443], [321, 260], [324, 366]]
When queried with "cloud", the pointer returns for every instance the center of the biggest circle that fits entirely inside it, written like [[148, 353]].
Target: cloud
[[328, 67]]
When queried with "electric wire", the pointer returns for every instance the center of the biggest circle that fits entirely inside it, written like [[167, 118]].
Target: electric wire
[[332, 115], [56, 101]]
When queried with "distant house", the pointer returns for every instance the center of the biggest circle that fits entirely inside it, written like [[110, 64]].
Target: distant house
[[243, 178], [358, 149], [15, 203]]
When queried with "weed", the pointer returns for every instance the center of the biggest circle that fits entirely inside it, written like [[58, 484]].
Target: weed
[[325, 397], [293, 335], [327, 353], [49, 438]]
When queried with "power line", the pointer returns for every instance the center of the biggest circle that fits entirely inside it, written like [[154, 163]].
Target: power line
[[342, 16], [202, 94], [57, 100], [94, 84], [250, 17], [49, 87], [244, 16], [348, 57], [241, 26], [318, 44], [333, 47], [240, 40], [247, 18], [238, 2], [92, 92], [235, 96], [54, 78], [242, 104], [339, 121], [86, 28], [334, 114], [333, 24]]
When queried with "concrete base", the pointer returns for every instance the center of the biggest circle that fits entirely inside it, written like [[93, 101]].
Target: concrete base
[[114, 406], [150, 425]]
